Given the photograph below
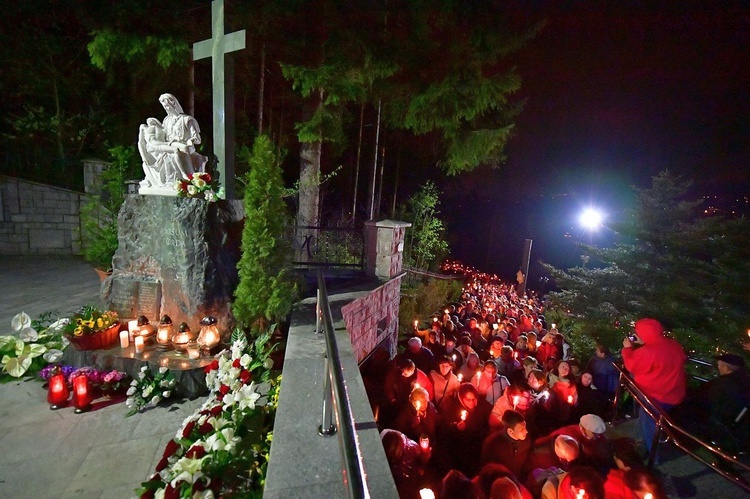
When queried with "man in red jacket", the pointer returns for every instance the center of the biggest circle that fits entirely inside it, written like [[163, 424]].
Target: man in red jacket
[[658, 368]]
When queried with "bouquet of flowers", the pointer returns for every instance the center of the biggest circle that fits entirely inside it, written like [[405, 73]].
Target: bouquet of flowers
[[88, 320], [149, 389], [37, 343], [222, 449], [198, 185]]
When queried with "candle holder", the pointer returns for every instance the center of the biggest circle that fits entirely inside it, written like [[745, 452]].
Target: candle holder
[[146, 330], [57, 391], [81, 394], [164, 334], [182, 338], [209, 336], [193, 350]]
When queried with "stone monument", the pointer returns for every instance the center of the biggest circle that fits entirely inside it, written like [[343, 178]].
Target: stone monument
[[176, 256]]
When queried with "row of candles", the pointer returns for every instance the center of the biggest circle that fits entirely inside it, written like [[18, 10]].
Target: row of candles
[[58, 392], [140, 331]]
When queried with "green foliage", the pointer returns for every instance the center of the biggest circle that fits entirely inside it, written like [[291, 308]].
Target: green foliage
[[425, 243], [108, 46], [99, 213], [683, 270], [424, 299], [266, 290]]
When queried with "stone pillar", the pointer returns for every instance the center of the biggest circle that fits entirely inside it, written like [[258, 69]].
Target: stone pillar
[[92, 175], [384, 241]]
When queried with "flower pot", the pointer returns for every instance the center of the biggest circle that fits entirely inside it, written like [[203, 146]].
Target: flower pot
[[98, 340]]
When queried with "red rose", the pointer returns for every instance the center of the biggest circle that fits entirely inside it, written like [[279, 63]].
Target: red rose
[[216, 410], [211, 367], [224, 389], [149, 494], [196, 452], [188, 429], [162, 464], [236, 364], [171, 448], [171, 492], [205, 428], [246, 376]]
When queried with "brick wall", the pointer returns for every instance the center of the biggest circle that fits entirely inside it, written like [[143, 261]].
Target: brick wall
[[37, 219], [374, 318]]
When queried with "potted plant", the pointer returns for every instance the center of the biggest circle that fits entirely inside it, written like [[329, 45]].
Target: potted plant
[[92, 329]]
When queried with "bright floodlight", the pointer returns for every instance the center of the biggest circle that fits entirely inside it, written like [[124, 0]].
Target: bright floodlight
[[591, 218]]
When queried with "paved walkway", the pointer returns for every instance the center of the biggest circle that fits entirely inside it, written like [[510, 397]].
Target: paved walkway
[[60, 454]]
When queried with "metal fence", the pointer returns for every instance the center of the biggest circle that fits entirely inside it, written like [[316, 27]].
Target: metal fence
[[327, 246], [726, 465]]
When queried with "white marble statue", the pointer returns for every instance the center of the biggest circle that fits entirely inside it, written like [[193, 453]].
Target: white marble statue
[[168, 149]]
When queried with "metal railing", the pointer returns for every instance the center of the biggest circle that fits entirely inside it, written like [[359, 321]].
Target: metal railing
[[336, 401], [665, 425], [327, 246]]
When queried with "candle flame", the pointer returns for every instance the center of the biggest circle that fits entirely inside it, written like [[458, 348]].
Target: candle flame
[[570, 399], [460, 377], [424, 442], [648, 495], [426, 494], [454, 357], [581, 493], [416, 323], [418, 405], [417, 385], [464, 413]]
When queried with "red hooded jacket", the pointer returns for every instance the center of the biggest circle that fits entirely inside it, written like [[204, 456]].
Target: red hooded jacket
[[658, 367]]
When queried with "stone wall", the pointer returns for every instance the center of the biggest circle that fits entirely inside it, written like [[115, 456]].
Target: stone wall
[[37, 219], [373, 318]]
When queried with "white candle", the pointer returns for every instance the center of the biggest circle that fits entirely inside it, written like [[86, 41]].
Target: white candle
[[124, 339], [132, 328], [194, 353], [138, 344]]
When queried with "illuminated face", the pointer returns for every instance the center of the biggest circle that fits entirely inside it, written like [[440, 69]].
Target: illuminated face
[[518, 432], [406, 373], [469, 400], [586, 379], [563, 369], [534, 382], [445, 368], [473, 361], [490, 370]]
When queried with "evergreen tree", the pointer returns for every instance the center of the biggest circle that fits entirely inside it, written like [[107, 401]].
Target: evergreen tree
[[266, 291], [425, 238], [677, 267]]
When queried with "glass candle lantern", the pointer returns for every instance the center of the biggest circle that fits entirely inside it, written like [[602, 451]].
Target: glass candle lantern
[[145, 329], [81, 393], [57, 391], [165, 333], [209, 336], [193, 350], [182, 338]]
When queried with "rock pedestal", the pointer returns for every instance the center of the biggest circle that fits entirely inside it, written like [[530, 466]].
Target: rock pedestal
[[176, 256]]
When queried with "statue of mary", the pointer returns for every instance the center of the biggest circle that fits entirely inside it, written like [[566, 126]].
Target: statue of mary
[[168, 149]]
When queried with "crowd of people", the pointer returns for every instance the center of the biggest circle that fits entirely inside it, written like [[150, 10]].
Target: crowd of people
[[489, 402]]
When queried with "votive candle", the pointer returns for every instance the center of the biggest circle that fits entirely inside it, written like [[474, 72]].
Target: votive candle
[[194, 353], [138, 344], [132, 328], [124, 339]]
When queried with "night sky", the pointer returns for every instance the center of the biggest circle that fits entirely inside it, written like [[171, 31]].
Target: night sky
[[615, 92]]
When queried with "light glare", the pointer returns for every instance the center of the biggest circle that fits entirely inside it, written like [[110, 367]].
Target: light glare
[[591, 218]]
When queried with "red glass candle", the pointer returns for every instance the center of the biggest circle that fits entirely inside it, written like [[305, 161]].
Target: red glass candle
[[81, 393], [57, 392]]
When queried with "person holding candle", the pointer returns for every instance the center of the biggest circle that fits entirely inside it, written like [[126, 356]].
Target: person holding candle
[[657, 365], [510, 446], [548, 455], [418, 417], [407, 461], [542, 414], [581, 482], [444, 382], [507, 364], [471, 367], [463, 429], [516, 397], [401, 378]]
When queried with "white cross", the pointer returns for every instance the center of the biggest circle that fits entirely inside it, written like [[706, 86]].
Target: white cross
[[215, 48]]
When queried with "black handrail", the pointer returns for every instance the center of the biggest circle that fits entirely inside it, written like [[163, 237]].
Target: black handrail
[[665, 424], [336, 392]]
